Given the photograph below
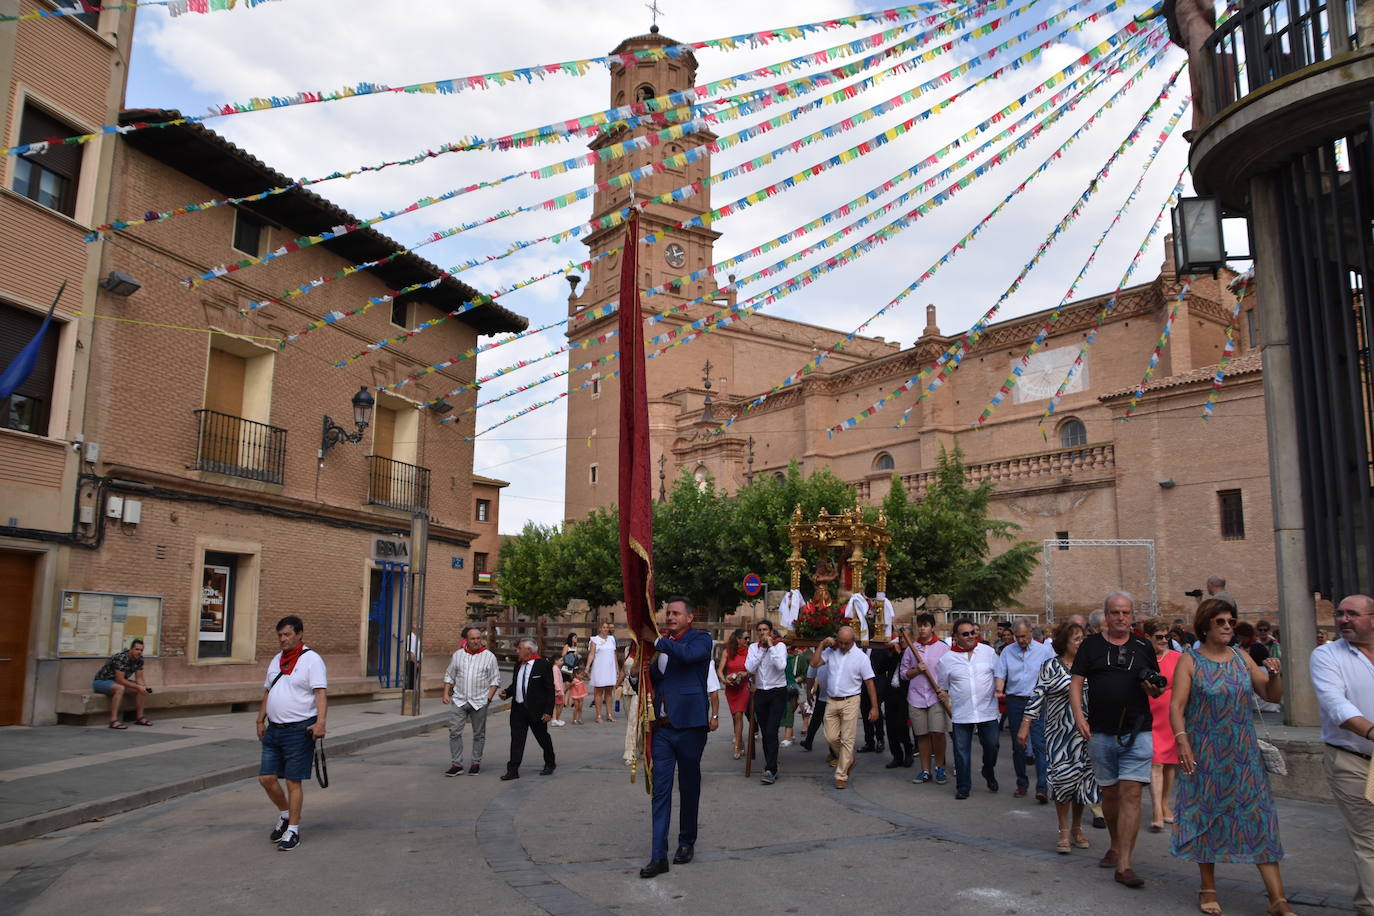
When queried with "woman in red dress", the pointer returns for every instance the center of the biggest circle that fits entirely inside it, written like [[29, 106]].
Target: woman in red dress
[[736, 680], [1165, 763]]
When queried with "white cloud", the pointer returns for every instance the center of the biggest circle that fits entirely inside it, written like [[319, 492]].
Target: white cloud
[[292, 45]]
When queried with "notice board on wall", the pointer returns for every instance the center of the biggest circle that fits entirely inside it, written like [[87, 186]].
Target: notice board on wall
[[99, 624]]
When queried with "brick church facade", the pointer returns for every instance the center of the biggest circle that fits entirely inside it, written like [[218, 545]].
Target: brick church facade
[[1196, 495]]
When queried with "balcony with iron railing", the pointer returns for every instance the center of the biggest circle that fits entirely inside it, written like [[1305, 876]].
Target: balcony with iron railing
[[236, 447], [1277, 79], [1081, 464], [397, 485]]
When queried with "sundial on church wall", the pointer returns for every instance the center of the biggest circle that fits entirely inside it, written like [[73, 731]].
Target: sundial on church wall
[[1044, 372]]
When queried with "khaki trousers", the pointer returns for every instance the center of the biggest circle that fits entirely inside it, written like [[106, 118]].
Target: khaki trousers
[[1346, 773], [841, 718]]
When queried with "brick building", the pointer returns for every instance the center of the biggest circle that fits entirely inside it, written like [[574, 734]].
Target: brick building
[[482, 596], [1091, 476], [224, 479], [57, 78]]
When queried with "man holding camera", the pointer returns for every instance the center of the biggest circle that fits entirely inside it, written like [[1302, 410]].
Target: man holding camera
[[1121, 673], [123, 672]]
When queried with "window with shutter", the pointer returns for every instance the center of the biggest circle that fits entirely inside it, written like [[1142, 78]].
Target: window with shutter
[[50, 177], [29, 408]]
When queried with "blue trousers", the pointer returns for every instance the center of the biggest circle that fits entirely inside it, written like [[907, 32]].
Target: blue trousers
[[963, 752], [1016, 711], [676, 749]]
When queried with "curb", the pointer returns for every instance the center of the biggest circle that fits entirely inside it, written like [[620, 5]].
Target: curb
[[48, 821]]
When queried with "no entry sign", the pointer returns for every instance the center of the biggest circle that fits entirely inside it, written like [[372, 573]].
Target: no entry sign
[[752, 584]]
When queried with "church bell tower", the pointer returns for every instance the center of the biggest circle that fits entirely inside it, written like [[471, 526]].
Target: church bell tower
[[591, 463]]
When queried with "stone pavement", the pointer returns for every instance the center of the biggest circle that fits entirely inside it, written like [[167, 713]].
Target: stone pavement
[[58, 776], [392, 835]]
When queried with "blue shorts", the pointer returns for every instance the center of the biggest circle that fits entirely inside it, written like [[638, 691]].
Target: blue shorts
[[288, 751], [1113, 763], [103, 686]]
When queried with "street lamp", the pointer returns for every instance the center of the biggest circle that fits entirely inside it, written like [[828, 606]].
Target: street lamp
[[363, 402], [1198, 244]]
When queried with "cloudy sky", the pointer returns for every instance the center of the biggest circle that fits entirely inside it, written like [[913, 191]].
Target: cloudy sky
[[194, 61]]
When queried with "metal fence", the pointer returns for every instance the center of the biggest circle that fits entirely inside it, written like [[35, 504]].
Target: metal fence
[[231, 445], [397, 485]]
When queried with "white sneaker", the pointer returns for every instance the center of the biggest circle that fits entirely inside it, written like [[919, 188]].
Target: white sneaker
[[786, 742], [558, 722]]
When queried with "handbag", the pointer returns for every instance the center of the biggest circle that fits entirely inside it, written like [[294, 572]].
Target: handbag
[[1272, 756], [321, 765]]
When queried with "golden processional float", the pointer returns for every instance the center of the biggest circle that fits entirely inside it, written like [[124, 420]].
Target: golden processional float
[[848, 533]]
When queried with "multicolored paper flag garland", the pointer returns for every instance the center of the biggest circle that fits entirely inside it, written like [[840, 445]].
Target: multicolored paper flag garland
[[706, 92], [706, 219], [845, 209], [1058, 310], [1110, 305], [628, 178], [811, 364], [175, 7], [499, 78], [1242, 285], [706, 325], [1160, 346]]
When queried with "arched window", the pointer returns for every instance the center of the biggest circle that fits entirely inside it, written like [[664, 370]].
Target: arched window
[[644, 93], [700, 478], [1072, 433], [780, 477], [883, 462]]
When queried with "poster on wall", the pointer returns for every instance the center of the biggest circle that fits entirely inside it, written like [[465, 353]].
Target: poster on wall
[[99, 624], [214, 590]]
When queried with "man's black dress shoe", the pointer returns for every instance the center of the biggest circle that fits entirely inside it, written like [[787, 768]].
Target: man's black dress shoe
[[992, 784], [509, 774], [866, 749], [683, 855], [654, 869], [548, 770]]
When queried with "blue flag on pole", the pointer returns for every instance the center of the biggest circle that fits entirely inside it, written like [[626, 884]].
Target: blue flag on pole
[[22, 365]]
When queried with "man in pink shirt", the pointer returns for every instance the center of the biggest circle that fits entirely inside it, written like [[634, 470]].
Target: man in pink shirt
[[928, 717]]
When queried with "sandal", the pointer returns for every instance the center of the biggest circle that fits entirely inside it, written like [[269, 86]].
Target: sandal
[[738, 753], [1062, 847], [1210, 907], [1080, 839], [1280, 907], [143, 722], [119, 725]]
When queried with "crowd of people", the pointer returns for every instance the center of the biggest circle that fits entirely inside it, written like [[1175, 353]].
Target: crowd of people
[[1100, 711]]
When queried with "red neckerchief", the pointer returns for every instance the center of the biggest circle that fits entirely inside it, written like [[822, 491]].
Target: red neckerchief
[[469, 650], [289, 657], [956, 648], [928, 642]]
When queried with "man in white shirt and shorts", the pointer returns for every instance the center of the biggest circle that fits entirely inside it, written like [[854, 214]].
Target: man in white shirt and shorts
[[290, 721]]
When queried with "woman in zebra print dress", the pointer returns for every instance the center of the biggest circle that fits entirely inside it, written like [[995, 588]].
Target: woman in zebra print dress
[[1072, 784]]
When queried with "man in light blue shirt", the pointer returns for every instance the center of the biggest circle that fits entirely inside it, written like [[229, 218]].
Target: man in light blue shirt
[[1018, 668]]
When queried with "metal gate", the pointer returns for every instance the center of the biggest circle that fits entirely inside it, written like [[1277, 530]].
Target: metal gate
[[385, 618]]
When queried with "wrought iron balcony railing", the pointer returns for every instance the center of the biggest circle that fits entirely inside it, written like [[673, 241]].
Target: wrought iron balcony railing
[[1264, 42], [397, 485], [231, 445]]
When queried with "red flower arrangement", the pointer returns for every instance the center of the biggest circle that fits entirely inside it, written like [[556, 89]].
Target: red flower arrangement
[[818, 622]]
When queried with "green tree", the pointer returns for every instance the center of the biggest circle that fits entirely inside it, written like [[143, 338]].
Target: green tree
[[519, 575], [943, 544], [693, 553], [585, 560]]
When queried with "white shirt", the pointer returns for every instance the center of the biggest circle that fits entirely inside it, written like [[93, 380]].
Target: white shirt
[[848, 671], [292, 699], [768, 666], [1343, 678], [968, 678], [522, 679], [472, 677]]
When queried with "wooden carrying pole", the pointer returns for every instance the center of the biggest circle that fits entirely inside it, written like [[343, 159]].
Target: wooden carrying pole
[[907, 644]]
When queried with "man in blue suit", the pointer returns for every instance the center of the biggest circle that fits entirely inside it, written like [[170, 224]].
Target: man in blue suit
[[681, 705]]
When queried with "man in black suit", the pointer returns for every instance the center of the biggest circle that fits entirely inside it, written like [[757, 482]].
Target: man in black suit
[[531, 691]]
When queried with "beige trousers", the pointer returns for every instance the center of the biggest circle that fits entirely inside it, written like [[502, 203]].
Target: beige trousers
[[1346, 775], [841, 718]]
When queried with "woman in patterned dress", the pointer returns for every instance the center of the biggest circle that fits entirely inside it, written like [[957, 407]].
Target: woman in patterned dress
[[1072, 784], [1224, 812]]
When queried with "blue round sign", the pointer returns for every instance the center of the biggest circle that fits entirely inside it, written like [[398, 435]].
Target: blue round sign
[[752, 584]]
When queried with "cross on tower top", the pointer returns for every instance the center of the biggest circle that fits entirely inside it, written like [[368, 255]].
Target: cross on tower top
[[706, 374], [652, 7]]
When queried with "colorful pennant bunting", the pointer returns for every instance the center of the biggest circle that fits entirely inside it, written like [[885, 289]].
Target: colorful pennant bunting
[[175, 7], [1160, 346], [1242, 286]]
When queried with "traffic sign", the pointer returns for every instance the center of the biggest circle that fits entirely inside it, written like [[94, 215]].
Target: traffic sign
[[752, 584]]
